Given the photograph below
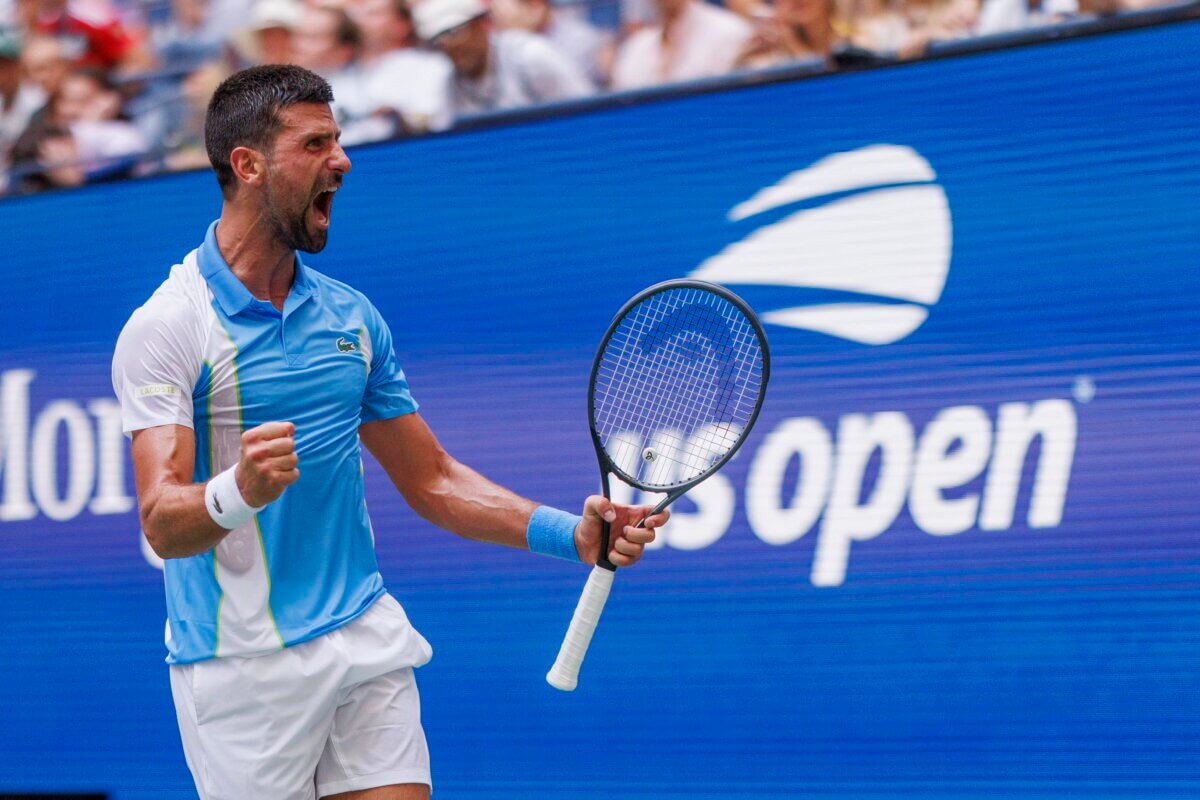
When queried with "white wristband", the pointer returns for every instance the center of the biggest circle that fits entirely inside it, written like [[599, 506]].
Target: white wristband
[[225, 503]]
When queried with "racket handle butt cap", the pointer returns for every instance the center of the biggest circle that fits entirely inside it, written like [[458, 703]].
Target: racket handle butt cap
[[564, 683]]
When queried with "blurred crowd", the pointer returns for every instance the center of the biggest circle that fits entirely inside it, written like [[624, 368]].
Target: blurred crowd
[[93, 90]]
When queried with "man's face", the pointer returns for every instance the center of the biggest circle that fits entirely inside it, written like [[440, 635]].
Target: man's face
[[304, 168], [467, 47], [315, 44], [382, 26], [275, 45], [44, 64]]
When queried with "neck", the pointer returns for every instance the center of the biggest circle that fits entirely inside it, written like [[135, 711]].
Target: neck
[[478, 70], [264, 265]]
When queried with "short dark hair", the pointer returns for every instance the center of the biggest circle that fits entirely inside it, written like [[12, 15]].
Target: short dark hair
[[244, 111]]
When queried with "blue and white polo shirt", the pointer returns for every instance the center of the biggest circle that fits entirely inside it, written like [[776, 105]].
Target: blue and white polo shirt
[[204, 353]]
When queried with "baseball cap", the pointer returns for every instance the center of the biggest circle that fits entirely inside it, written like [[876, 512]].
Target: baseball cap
[[276, 14], [435, 17]]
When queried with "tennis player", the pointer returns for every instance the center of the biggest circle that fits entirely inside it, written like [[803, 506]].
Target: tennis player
[[247, 381]]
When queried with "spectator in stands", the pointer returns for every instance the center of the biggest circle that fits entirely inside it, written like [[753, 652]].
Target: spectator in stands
[[496, 69], [327, 42], [1002, 16], [567, 29], [268, 39], [880, 26], [803, 30], [91, 34], [940, 21], [185, 142], [693, 40], [188, 38], [80, 138], [44, 64], [19, 99], [397, 74]]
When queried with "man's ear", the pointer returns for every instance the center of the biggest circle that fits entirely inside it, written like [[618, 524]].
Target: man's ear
[[249, 165]]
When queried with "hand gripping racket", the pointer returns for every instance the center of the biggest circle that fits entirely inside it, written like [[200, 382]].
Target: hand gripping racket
[[677, 384]]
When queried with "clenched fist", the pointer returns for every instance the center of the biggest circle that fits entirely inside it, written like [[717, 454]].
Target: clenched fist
[[268, 464]]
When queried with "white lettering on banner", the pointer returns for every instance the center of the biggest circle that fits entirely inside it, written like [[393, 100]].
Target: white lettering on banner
[[715, 499], [14, 445], [29, 455], [938, 467], [850, 487], [846, 520], [1019, 424], [955, 448], [81, 460], [782, 524], [110, 484]]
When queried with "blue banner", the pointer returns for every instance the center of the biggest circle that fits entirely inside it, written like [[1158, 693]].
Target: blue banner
[[957, 557]]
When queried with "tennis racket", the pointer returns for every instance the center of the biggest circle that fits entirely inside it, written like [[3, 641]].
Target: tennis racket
[[675, 388]]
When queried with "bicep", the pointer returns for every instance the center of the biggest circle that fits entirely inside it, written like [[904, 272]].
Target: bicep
[[162, 456], [407, 450]]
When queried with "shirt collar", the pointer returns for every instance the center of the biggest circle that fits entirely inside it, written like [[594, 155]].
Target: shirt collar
[[230, 292]]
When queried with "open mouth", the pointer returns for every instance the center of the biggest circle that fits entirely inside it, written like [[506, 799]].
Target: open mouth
[[322, 207]]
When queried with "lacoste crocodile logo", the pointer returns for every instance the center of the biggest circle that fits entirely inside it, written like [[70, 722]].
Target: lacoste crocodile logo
[[346, 347]]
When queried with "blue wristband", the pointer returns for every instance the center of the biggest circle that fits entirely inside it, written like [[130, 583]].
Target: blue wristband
[[552, 533]]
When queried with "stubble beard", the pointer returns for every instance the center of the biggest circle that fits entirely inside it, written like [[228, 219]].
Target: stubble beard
[[290, 228]]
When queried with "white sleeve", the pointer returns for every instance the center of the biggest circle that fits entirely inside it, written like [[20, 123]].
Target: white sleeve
[[552, 75], [156, 366], [634, 68]]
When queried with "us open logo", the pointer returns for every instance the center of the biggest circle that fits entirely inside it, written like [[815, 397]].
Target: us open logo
[[883, 234], [863, 256]]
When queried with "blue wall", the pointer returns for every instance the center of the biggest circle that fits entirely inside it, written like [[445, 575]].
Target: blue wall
[[962, 555]]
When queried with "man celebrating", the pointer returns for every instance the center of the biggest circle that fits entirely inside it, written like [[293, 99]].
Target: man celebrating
[[247, 382]]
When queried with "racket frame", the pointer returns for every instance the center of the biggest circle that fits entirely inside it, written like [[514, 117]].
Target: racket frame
[[607, 466], [564, 674]]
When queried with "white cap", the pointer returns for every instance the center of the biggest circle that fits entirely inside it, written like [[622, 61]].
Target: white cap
[[434, 17], [276, 14]]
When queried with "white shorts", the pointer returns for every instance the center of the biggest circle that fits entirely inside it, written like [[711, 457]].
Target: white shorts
[[337, 713]]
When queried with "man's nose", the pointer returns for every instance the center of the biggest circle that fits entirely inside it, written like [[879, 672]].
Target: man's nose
[[339, 161]]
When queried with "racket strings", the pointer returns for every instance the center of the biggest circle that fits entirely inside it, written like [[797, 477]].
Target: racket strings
[[680, 375]]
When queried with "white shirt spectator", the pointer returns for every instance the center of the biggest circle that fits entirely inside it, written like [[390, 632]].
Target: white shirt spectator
[[704, 41], [524, 69], [413, 83], [100, 142], [1001, 16], [577, 39], [355, 110]]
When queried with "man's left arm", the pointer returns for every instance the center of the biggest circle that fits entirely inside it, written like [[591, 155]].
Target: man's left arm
[[453, 496]]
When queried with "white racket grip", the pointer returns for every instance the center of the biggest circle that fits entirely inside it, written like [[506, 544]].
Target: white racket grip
[[564, 674]]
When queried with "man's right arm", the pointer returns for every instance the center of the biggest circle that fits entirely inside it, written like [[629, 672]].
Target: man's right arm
[[172, 508]]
